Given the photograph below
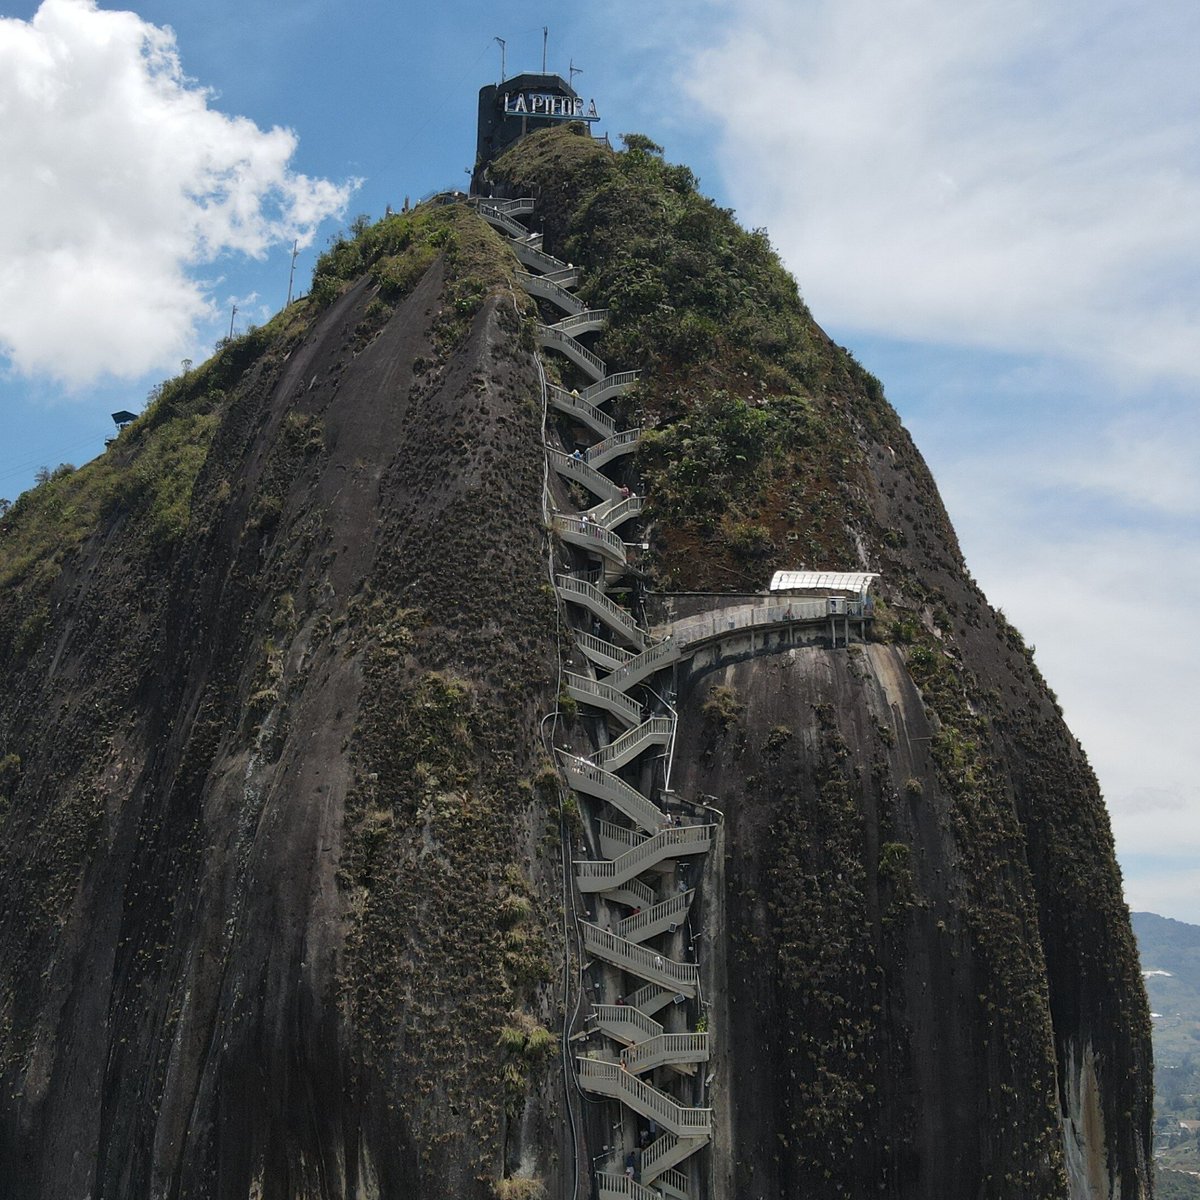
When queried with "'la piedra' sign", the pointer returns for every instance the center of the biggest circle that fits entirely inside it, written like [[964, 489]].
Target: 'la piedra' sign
[[549, 107]]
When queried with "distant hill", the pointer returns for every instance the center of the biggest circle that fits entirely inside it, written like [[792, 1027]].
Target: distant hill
[[1170, 956]]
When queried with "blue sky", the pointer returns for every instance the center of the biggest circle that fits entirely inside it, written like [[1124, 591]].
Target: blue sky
[[995, 204]]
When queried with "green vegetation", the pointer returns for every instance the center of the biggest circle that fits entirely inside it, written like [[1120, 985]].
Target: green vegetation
[[397, 251], [520, 1187], [723, 708], [745, 449], [820, 955], [1170, 1184]]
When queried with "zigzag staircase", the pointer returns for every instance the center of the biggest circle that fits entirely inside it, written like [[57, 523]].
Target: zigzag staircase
[[636, 882]]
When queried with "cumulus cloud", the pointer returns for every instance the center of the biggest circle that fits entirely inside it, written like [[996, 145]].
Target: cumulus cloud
[[116, 177], [1009, 192], [999, 173]]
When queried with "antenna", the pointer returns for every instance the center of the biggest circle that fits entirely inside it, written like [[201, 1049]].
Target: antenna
[[545, 37], [503, 43], [572, 71], [231, 316], [292, 274]]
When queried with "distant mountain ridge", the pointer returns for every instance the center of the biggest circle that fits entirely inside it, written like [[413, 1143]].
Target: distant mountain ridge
[[1170, 955]]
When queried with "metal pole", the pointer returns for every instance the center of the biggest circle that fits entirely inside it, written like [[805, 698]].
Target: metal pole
[[545, 36], [503, 74], [231, 316], [292, 273]]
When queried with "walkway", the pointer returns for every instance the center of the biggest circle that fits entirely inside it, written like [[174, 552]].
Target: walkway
[[639, 1060]]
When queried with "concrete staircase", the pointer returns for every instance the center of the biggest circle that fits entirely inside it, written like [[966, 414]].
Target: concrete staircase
[[638, 1057]]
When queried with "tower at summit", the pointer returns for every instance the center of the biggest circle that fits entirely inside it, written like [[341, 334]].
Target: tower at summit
[[517, 106]]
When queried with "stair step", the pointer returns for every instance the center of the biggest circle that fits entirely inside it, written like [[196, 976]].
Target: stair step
[[658, 918], [554, 339], [676, 841], [667, 1152], [610, 1079], [646, 964], [657, 731], [618, 619]]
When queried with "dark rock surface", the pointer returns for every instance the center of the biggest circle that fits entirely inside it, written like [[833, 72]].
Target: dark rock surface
[[227, 969], [280, 856]]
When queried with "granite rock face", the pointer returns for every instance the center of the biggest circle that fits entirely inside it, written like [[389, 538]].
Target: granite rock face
[[282, 865]]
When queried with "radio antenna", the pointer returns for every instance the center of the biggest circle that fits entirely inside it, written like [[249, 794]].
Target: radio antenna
[[545, 37], [503, 74]]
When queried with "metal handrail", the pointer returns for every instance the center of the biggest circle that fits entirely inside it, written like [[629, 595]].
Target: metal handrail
[[574, 404], [611, 385], [638, 667], [596, 781], [596, 601], [623, 1014], [585, 527], [673, 906], [673, 841], [524, 204], [646, 1099], [655, 731], [604, 696], [573, 349], [591, 318], [666, 1048], [547, 289], [579, 470], [618, 443], [596, 647]]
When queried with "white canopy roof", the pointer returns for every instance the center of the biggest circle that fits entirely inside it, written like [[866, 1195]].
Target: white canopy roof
[[822, 581]]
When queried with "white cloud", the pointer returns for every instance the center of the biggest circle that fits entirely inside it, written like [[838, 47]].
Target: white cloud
[[116, 177], [1109, 606], [1020, 177], [1168, 888], [1001, 173]]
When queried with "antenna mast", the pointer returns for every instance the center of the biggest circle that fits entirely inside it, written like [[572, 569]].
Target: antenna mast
[[545, 37], [503, 73], [292, 273], [572, 71]]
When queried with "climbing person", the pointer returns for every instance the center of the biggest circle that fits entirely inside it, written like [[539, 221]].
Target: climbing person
[[625, 492], [658, 962], [578, 455]]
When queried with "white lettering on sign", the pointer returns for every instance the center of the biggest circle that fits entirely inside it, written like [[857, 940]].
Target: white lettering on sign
[[549, 106]]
